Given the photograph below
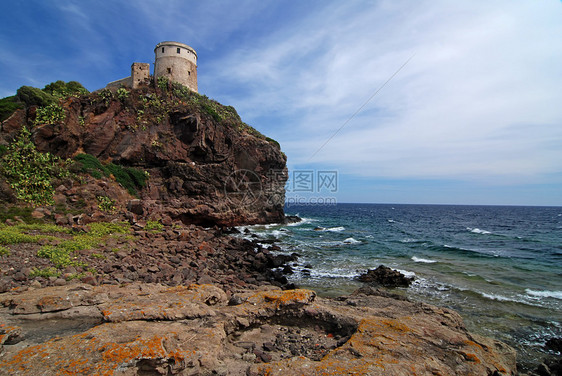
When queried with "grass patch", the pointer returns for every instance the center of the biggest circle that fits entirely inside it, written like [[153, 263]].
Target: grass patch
[[45, 273], [12, 235], [4, 251], [22, 212], [46, 228], [154, 226], [130, 178]]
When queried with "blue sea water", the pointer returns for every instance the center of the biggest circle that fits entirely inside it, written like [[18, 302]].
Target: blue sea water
[[499, 266]]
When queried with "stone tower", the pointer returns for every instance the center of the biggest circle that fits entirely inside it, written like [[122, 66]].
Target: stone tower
[[177, 62]]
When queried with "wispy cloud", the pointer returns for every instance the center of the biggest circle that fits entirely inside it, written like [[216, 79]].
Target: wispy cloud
[[480, 99]]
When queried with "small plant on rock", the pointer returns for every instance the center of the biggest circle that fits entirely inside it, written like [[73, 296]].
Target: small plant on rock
[[30, 172], [106, 204], [51, 114], [122, 94]]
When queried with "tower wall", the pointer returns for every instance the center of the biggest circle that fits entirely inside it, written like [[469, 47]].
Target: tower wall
[[177, 62], [140, 73]]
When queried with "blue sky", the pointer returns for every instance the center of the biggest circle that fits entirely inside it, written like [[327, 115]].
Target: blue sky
[[475, 117]]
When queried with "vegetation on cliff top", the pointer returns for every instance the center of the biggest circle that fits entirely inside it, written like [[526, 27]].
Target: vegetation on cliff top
[[30, 96], [31, 173]]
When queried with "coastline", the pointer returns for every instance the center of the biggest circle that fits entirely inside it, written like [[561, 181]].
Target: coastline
[[237, 295]]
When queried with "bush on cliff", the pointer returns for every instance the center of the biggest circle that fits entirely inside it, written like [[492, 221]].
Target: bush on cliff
[[32, 96], [130, 178], [30, 172], [51, 114], [63, 89], [8, 106]]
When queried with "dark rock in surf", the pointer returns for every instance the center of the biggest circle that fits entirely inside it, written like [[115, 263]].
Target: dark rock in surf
[[386, 277]]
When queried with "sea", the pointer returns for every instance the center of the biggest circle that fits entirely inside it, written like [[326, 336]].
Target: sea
[[500, 267]]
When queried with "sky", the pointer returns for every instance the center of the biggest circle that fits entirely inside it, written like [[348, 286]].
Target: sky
[[421, 102]]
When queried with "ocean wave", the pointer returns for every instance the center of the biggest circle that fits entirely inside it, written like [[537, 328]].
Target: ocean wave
[[335, 229], [406, 272], [545, 294], [391, 221], [422, 260], [471, 252], [478, 231], [333, 273], [303, 221], [351, 241], [501, 298]]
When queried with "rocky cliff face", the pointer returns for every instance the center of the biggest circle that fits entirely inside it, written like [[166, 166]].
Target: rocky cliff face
[[206, 166]]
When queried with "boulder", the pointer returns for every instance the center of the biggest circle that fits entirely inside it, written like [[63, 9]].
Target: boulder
[[386, 277]]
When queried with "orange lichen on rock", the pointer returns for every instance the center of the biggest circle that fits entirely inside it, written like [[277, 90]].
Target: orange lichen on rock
[[283, 298]]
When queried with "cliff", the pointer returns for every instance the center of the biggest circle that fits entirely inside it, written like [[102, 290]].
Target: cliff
[[206, 166]]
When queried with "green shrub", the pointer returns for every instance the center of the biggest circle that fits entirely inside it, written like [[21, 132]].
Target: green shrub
[[30, 172], [32, 96], [51, 114], [63, 89], [8, 106]]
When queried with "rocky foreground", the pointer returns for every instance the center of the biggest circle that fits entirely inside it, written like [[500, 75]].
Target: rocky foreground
[[151, 329]]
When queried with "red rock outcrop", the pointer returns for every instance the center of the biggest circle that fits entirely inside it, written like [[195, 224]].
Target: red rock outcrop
[[206, 166]]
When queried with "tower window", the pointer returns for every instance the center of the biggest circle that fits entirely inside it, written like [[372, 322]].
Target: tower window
[[169, 70], [162, 49], [178, 50]]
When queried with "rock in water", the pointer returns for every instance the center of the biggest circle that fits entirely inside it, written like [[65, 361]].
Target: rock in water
[[385, 276]]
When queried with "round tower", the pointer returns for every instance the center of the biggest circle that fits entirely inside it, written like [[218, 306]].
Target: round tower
[[177, 62]]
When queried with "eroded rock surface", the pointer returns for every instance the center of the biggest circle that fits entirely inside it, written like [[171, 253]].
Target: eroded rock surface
[[141, 329]]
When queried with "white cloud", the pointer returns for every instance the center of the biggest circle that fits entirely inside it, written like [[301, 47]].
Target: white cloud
[[480, 99]]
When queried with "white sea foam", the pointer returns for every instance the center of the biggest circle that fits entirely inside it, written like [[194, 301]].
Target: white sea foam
[[333, 273], [426, 261], [545, 293], [406, 273], [500, 298], [351, 241], [408, 240], [301, 222], [279, 233], [478, 231], [335, 229]]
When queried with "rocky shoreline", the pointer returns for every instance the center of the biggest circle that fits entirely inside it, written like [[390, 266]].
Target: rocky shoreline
[[151, 329], [192, 301], [175, 255]]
